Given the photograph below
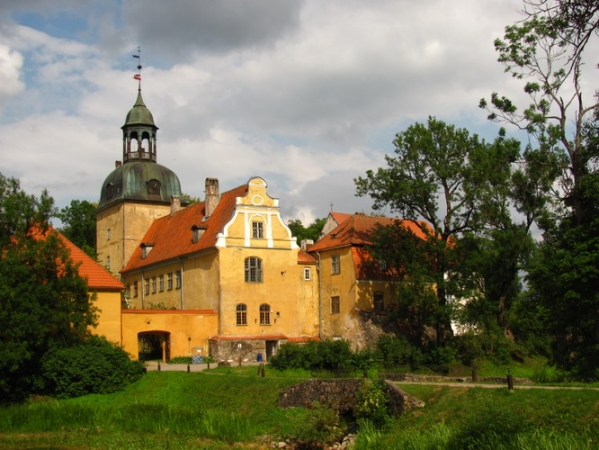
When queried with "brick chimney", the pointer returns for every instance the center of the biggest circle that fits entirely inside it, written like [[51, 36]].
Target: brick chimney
[[212, 196]]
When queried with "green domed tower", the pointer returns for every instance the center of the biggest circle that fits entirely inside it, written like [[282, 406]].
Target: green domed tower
[[135, 193]]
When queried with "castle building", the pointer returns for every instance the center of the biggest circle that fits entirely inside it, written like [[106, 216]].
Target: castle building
[[225, 276]]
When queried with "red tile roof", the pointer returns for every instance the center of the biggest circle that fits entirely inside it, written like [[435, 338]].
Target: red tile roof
[[97, 277], [340, 217], [358, 229], [303, 257], [171, 236]]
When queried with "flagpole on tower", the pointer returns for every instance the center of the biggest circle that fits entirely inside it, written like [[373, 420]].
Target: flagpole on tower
[[137, 76]]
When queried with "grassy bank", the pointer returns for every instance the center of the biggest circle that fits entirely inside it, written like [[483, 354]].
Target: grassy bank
[[178, 410]]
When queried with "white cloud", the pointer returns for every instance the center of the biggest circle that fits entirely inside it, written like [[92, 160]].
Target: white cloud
[[11, 63]]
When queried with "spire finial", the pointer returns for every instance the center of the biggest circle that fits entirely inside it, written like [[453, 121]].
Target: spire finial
[[137, 76]]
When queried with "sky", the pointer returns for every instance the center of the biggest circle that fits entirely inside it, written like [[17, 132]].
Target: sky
[[307, 94]]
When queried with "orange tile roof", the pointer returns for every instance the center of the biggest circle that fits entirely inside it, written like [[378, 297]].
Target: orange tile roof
[[171, 236], [303, 257], [358, 229], [340, 217], [97, 277]]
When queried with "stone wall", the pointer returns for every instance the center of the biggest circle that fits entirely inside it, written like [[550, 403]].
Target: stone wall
[[341, 395]]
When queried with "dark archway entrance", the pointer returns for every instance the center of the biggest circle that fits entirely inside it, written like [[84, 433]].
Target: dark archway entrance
[[154, 345]]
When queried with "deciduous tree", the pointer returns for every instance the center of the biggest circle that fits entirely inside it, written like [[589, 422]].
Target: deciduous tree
[[44, 302]]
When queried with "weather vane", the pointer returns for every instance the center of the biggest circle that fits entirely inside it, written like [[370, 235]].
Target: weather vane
[[137, 76]]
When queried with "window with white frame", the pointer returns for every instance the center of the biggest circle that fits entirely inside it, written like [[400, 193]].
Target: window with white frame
[[307, 274], [147, 287], [258, 230], [135, 289], [169, 281], [153, 285], [253, 270], [108, 263], [264, 314], [178, 279], [335, 264], [335, 305], [242, 314], [161, 283]]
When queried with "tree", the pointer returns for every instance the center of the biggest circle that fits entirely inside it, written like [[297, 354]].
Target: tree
[[44, 302], [79, 225], [547, 50], [448, 178], [312, 232]]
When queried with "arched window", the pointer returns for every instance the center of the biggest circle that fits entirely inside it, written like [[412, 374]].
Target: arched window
[[242, 314], [253, 270], [264, 314]]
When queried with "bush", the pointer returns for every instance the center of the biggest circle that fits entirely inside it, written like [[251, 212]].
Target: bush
[[95, 366], [327, 355], [371, 403], [180, 360]]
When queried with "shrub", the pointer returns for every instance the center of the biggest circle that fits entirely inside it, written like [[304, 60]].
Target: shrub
[[180, 360], [95, 366], [371, 403]]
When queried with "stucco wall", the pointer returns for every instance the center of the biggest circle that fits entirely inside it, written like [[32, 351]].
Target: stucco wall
[[188, 329], [109, 315]]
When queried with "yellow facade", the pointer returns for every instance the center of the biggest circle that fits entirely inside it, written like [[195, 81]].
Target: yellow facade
[[186, 332], [108, 304], [120, 228]]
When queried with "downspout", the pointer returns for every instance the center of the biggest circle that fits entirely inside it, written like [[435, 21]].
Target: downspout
[[143, 289], [319, 296], [124, 243], [182, 295]]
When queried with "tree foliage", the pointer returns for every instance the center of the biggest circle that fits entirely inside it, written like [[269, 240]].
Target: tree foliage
[[451, 179], [79, 225], [547, 51], [44, 302], [312, 232]]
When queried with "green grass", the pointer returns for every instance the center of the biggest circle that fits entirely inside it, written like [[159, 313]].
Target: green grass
[[233, 407]]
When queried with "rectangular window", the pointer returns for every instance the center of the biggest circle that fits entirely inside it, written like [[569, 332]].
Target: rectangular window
[[147, 287], [135, 289], [108, 234], [307, 274], [169, 281], [335, 265], [178, 279], [258, 230], [379, 301], [253, 270], [153, 285], [108, 263], [161, 282], [335, 305]]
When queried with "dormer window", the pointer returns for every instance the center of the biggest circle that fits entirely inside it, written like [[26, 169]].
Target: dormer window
[[153, 187], [196, 233], [146, 249]]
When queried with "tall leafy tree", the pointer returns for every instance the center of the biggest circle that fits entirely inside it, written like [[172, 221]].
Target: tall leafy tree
[[79, 225], [44, 302], [449, 178], [547, 50]]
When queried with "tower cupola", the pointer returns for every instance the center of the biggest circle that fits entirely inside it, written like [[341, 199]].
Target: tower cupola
[[139, 133]]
